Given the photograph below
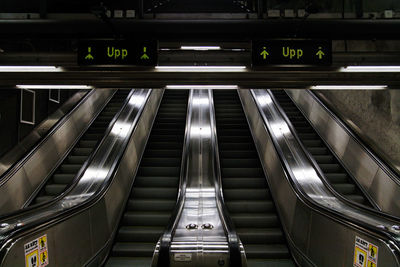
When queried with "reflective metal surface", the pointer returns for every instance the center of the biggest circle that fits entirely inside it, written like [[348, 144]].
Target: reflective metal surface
[[25, 145], [319, 227], [377, 180], [80, 225], [201, 235], [20, 182]]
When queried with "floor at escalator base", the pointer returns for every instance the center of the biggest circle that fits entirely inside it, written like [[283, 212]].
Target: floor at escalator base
[[126, 261], [269, 263]]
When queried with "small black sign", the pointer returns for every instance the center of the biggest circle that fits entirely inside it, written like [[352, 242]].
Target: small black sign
[[115, 53], [291, 52]]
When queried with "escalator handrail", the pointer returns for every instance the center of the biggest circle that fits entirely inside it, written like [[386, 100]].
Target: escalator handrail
[[378, 232], [80, 173], [391, 172], [166, 238], [233, 238], [321, 173], [20, 162], [53, 216]]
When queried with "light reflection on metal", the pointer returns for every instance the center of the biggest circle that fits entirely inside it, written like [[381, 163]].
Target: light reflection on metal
[[201, 68], [186, 87], [30, 69], [370, 69], [349, 87], [200, 48], [55, 86]]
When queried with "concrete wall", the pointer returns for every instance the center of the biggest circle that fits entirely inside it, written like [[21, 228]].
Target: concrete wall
[[373, 115]]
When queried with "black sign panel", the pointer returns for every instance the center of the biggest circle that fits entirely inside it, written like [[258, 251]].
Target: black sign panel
[[115, 53], [291, 52]]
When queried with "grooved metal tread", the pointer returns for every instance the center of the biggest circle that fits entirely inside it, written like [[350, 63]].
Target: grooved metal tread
[[336, 175], [67, 170], [155, 189], [245, 190]]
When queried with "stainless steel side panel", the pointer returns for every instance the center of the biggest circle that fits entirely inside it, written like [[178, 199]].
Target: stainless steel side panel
[[382, 185], [90, 212], [20, 182], [320, 229]]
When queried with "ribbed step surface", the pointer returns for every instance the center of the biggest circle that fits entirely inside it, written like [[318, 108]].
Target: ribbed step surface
[[155, 189], [336, 175], [245, 189], [67, 170]]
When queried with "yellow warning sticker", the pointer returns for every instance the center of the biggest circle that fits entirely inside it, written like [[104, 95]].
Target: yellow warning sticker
[[360, 257], [365, 253], [44, 259], [36, 252], [32, 259]]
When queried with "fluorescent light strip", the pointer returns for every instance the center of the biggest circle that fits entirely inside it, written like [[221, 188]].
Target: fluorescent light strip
[[201, 68], [30, 69], [202, 87], [349, 87], [23, 86], [200, 48], [370, 69]]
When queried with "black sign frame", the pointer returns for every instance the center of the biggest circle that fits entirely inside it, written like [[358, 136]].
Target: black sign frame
[[291, 52], [117, 53]]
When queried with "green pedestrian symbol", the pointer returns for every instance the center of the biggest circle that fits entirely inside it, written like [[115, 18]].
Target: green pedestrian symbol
[[320, 53], [264, 53], [144, 56], [89, 55]]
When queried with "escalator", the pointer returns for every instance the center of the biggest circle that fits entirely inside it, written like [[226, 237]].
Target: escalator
[[155, 188], [245, 189], [334, 172], [68, 169]]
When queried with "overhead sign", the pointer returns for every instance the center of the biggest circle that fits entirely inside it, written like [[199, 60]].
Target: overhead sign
[[291, 52], [115, 53]]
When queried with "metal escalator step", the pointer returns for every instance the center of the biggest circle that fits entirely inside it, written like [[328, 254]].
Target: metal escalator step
[[240, 183], [162, 162], [250, 163], [242, 172], [69, 168], [318, 150], [267, 251], [150, 204], [129, 261], [142, 218], [261, 235], [165, 138], [303, 136], [165, 145], [157, 181], [62, 178], [324, 159], [87, 143], [154, 153], [54, 189], [78, 151], [329, 168], [336, 177], [133, 249], [236, 146], [345, 189], [312, 143], [242, 206], [139, 234], [76, 159], [159, 171], [154, 192], [235, 139], [255, 220], [244, 154], [246, 194]]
